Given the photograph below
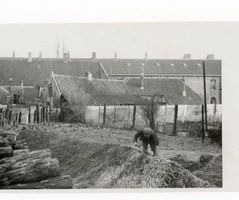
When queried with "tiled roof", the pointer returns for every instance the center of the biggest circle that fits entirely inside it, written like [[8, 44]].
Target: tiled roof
[[29, 94], [3, 95], [161, 66], [37, 71], [99, 91], [125, 92], [171, 89]]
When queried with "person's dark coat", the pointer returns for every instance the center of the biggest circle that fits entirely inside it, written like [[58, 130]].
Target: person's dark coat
[[148, 137]]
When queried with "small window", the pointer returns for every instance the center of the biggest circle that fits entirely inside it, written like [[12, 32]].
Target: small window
[[172, 64], [213, 100], [199, 65], [128, 64], [157, 64], [142, 64], [185, 64], [16, 98], [50, 91], [213, 84]]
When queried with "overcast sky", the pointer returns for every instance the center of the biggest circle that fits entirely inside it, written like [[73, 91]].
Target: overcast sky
[[160, 40]]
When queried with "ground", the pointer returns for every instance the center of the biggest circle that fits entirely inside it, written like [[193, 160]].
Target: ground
[[83, 151]]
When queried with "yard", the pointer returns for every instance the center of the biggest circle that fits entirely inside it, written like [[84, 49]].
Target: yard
[[90, 153]]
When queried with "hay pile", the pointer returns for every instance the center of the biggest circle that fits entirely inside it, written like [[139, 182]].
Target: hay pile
[[212, 171], [141, 171]]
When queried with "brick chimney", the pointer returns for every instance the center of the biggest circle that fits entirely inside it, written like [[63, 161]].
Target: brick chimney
[[89, 76], [29, 59], [68, 55], [115, 56], [93, 56], [146, 56], [210, 57], [13, 54], [142, 79], [65, 57], [187, 56]]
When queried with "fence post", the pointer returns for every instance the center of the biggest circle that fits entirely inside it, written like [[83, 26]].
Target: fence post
[[99, 116], [4, 117], [134, 114], [9, 116], [29, 114], [175, 120], [20, 118], [37, 113], [203, 130], [47, 120], [104, 114], [16, 119], [114, 113], [35, 116]]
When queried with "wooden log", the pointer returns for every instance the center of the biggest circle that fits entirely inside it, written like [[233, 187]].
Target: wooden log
[[61, 182], [34, 170], [23, 155], [20, 144], [10, 135], [6, 152], [20, 151], [4, 142]]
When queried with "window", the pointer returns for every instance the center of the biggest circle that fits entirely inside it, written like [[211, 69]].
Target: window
[[50, 91], [213, 84], [16, 99], [213, 100]]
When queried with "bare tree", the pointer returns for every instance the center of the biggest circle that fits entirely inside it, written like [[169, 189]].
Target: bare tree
[[78, 104], [150, 108]]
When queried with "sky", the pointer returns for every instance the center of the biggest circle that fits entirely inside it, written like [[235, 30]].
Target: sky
[[131, 40]]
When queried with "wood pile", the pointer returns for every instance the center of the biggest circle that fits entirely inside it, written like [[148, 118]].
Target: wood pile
[[24, 169]]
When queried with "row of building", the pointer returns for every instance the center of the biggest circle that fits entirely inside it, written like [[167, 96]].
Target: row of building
[[112, 81]]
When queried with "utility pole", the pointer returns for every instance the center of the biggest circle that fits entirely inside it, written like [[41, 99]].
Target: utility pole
[[205, 94]]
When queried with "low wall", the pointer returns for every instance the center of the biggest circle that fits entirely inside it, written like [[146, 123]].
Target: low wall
[[122, 116]]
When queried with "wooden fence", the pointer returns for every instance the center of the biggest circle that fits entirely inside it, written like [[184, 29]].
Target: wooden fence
[[187, 117], [14, 115]]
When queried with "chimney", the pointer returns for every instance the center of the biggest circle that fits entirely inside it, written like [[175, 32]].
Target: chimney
[[146, 56], [29, 57], [68, 55], [115, 55], [93, 55], [210, 57], [142, 79], [40, 55], [65, 57], [13, 54], [187, 56], [89, 76]]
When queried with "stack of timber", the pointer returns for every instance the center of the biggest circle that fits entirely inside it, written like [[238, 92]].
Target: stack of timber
[[24, 169]]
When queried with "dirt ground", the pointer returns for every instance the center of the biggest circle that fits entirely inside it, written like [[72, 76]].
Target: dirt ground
[[84, 151]]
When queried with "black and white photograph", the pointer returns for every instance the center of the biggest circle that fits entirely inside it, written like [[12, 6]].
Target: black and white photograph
[[111, 105]]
